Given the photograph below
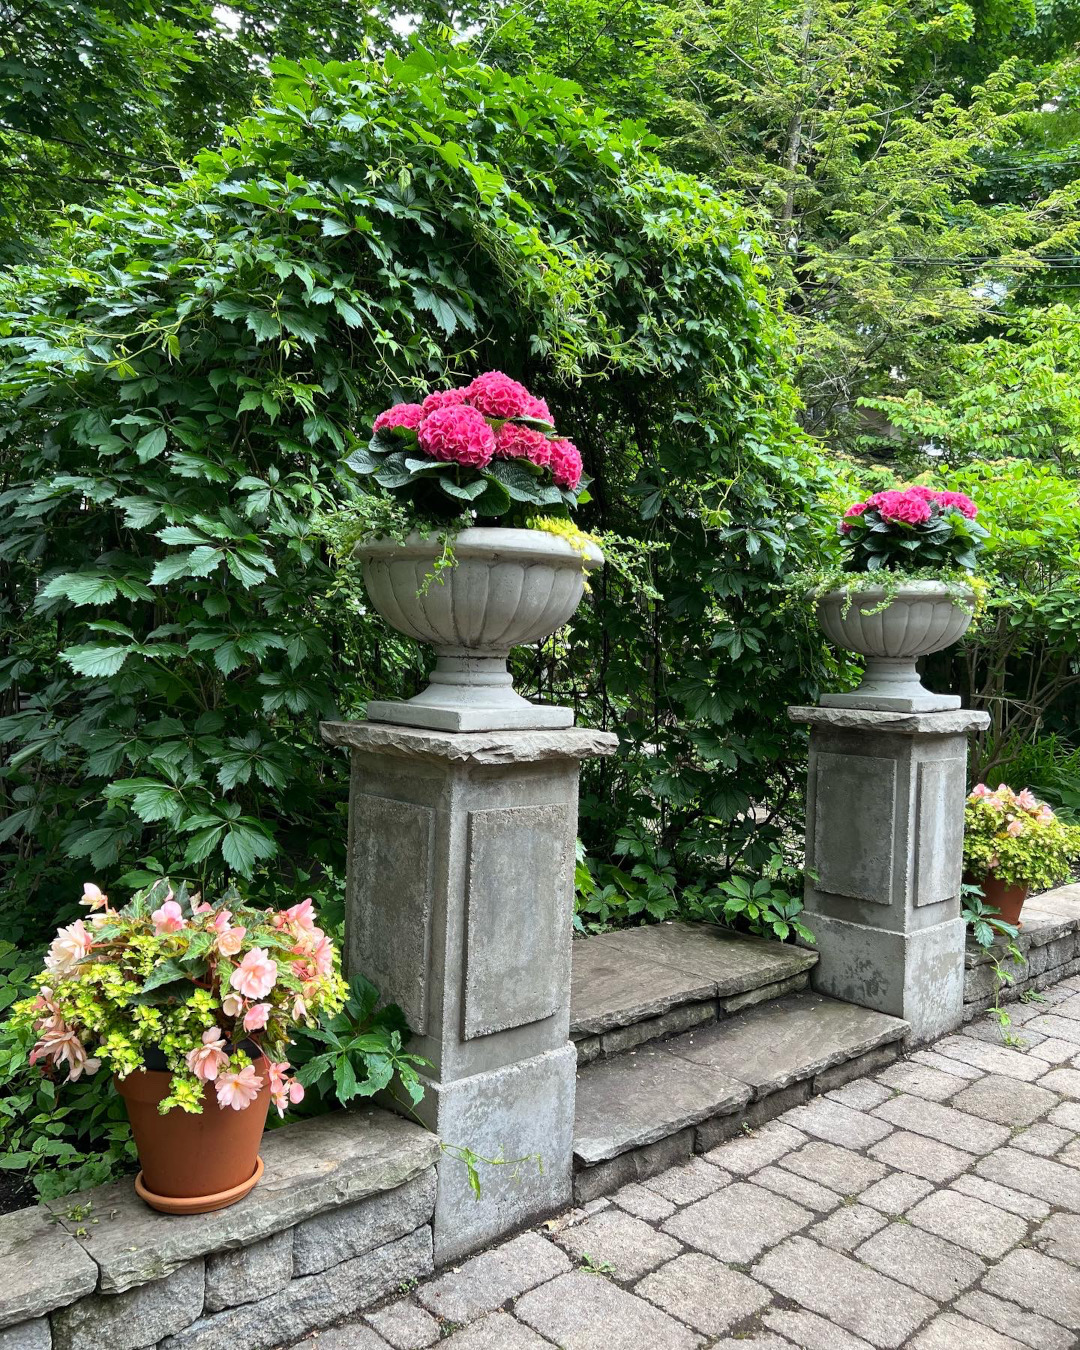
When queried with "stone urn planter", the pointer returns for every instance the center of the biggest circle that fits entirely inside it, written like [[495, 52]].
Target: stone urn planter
[[192, 1164], [920, 618], [509, 587]]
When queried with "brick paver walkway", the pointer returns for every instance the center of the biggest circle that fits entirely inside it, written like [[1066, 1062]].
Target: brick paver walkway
[[935, 1204]]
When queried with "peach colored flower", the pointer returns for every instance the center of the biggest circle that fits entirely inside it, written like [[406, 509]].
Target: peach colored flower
[[1015, 827], [255, 975], [256, 1015], [94, 896], [1045, 816], [1027, 800], [229, 940], [208, 1059], [168, 919], [302, 916], [203, 908], [979, 790], [232, 1005], [299, 1009], [62, 1045], [284, 1091], [70, 947], [239, 1090]]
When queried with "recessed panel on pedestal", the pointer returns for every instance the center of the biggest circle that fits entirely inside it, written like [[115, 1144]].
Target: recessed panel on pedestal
[[940, 788], [854, 823], [519, 871], [392, 887]]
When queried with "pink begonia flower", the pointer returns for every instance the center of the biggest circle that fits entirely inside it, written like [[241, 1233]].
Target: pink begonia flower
[[283, 1090], [221, 920], [255, 975], [513, 441], [1015, 827], [62, 1045], [239, 1090], [978, 791], [443, 398], [228, 942], [232, 1005], [301, 916], [168, 919], [538, 408], [256, 1015], [400, 415], [69, 948], [1045, 816], [94, 896], [1027, 800], [458, 435], [497, 395], [906, 507], [299, 1009], [207, 1060], [565, 463], [203, 907]]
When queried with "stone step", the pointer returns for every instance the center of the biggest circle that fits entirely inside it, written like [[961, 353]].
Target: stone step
[[642, 984], [641, 1112]]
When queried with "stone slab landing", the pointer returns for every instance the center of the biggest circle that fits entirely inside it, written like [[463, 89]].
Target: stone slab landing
[[687, 1034]]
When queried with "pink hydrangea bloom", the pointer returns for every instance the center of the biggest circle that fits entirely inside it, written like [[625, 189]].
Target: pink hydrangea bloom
[[256, 974], [856, 510], [458, 435], [443, 398], [93, 896], [230, 940], [69, 948], [497, 395], [565, 463], [239, 1090], [906, 507], [207, 1060], [400, 415], [168, 919], [960, 501], [538, 408], [256, 1016], [513, 441]]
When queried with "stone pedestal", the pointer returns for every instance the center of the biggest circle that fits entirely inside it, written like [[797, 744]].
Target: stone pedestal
[[884, 840], [460, 900]]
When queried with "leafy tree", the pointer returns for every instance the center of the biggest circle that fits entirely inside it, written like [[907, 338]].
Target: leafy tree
[[881, 149], [181, 385], [95, 94]]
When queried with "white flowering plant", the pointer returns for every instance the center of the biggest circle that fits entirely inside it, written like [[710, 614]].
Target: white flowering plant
[[170, 981]]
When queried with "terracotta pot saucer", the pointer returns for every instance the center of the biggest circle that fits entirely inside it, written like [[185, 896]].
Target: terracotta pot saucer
[[198, 1204]]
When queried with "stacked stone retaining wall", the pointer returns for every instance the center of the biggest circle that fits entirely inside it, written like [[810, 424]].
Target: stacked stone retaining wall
[[341, 1219]]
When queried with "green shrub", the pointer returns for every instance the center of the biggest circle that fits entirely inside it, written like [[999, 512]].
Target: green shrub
[[179, 390]]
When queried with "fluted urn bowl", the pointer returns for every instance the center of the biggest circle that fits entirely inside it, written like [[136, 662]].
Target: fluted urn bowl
[[921, 617], [507, 588]]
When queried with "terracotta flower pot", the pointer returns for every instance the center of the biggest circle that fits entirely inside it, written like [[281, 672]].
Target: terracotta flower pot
[[193, 1164], [1007, 900]]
